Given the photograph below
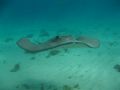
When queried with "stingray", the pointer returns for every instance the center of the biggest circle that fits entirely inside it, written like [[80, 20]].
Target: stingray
[[57, 41]]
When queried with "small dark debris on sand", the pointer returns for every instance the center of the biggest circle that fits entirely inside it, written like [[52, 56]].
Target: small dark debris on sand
[[26, 86], [15, 68], [4, 61], [7, 40], [48, 86], [66, 87], [38, 86], [69, 77], [17, 86], [113, 44], [117, 67], [66, 50], [53, 53], [33, 58], [77, 86]]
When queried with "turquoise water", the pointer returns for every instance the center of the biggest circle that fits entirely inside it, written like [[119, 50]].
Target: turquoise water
[[64, 68]]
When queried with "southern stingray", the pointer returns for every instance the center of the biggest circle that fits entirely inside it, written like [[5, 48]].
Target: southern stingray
[[57, 41]]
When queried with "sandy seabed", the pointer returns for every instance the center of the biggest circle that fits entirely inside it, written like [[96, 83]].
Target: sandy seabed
[[60, 69]]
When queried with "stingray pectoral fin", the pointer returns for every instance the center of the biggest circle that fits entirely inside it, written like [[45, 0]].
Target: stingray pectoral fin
[[31, 47], [90, 42], [27, 45]]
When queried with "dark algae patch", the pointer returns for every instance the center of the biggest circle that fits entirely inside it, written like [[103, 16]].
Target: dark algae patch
[[26, 86], [15, 68], [46, 86], [33, 58], [69, 77], [66, 87], [37, 86], [77, 86], [17, 86], [117, 67]]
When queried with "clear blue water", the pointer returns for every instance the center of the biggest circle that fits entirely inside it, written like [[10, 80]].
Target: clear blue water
[[74, 68]]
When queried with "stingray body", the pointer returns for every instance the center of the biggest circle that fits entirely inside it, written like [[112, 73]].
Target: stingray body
[[57, 41]]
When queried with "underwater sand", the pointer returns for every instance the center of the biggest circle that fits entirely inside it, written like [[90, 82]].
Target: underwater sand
[[64, 69]]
